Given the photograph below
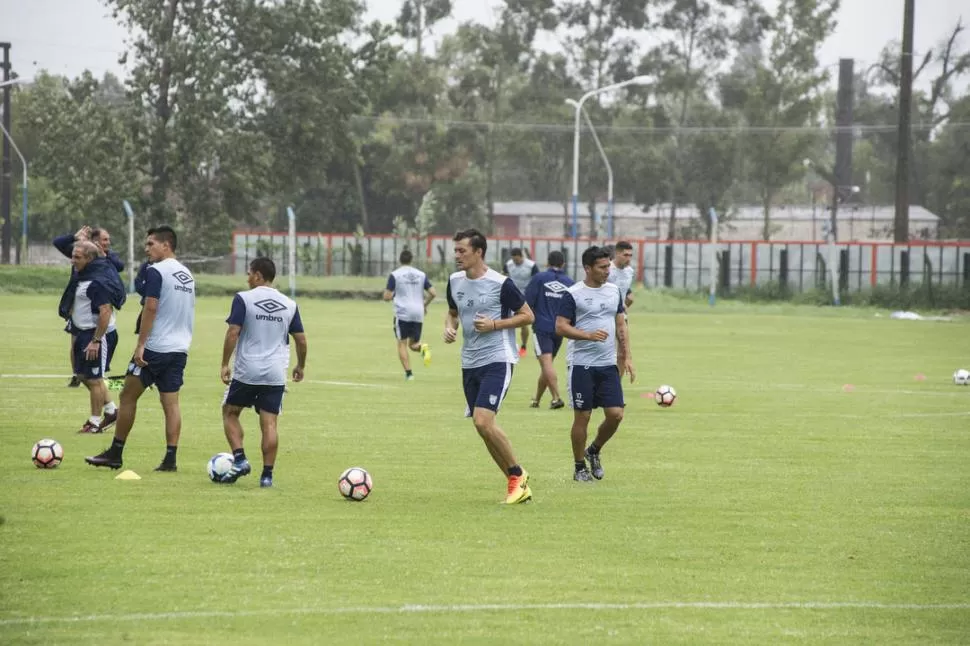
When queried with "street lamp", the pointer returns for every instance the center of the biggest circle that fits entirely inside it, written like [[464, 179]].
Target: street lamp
[[609, 169], [23, 165], [636, 80]]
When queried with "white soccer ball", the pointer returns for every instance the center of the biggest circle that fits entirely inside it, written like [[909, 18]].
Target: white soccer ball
[[47, 454], [218, 466], [665, 396], [355, 484], [961, 377]]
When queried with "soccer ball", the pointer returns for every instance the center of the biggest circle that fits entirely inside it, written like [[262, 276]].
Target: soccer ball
[[665, 396], [219, 465], [355, 484], [961, 377], [47, 454]]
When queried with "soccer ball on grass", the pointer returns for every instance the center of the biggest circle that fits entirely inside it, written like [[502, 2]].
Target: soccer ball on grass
[[218, 466], [665, 396], [355, 484], [961, 377], [47, 454]]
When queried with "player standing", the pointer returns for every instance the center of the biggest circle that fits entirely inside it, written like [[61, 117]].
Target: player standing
[[521, 270], [544, 293], [489, 307], [412, 292], [164, 338], [261, 321], [621, 271], [591, 317]]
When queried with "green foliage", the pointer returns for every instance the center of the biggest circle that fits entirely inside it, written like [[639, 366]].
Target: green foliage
[[894, 297]]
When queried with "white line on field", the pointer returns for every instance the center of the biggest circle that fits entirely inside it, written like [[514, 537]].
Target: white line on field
[[35, 376], [824, 415], [489, 607], [351, 384]]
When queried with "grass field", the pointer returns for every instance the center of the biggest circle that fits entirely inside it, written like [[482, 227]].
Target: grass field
[[770, 505]]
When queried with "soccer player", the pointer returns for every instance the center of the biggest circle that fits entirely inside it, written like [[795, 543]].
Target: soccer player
[[97, 289], [65, 244], [162, 349], [621, 272], [489, 307], [591, 317], [521, 270], [412, 292], [544, 293], [261, 322]]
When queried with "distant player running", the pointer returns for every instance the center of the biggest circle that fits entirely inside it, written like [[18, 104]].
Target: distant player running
[[521, 270], [591, 317], [544, 293], [162, 349], [622, 273], [261, 322], [412, 292], [488, 307]]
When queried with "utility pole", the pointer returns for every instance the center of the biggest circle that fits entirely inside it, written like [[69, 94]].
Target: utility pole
[[5, 169], [843, 138], [901, 219]]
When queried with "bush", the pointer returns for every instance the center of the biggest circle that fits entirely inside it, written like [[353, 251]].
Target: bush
[[893, 297]]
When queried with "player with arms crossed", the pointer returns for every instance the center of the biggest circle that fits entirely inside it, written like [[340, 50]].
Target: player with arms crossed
[[543, 295], [161, 351], [521, 270], [261, 322], [412, 292], [489, 307], [591, 317], [621, 271]]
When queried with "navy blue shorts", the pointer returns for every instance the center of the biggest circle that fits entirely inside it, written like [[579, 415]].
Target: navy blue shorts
[[407, 330], [165, 370], [485, 386], [69, 326], [93, 368], [546, 343], [259, 397], [594, 387]]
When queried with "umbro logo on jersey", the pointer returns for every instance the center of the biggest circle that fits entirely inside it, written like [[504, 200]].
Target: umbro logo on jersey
[[271, 307], [183, 277], [556, 286]]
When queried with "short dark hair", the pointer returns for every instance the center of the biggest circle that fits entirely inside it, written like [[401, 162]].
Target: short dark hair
[[165, 234], [623, 245], [556, 259], [406, 257], [516, 251], [265, 266], [95, 233], [475, 238], [591, 255]]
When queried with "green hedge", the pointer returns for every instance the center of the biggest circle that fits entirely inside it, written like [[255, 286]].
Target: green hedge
[[893, 297]]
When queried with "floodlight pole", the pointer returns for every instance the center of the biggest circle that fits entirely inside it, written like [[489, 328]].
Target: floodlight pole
[[23, 165], [609, 169], [131, 246], [291, 216]]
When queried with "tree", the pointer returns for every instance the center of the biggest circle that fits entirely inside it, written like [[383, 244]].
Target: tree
[[598, 36]]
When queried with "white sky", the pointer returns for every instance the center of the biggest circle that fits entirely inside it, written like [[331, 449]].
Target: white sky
[[69, 36]]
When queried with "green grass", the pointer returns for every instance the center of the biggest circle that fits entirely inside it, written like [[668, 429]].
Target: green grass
[[766, 483]]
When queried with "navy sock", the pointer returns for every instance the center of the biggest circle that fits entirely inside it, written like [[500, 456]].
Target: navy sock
[[170, 454], [515, 470], [407, 373], [593, 449], [267, 471], [580, 466], [238, 455], [117, 446]]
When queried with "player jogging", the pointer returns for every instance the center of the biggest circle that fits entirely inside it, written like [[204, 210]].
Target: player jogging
[[521, 270], [489, 307], [161, 351], [261, 322], [412, 292], [621, 271], [544, 293], [591, 317]]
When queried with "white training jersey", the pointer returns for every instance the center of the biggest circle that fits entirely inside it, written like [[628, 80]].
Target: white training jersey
[[267, 319], [521, 274], [173, 285], [622, 278], [408, 285], [88, 298], [590, 309], [496, 297]]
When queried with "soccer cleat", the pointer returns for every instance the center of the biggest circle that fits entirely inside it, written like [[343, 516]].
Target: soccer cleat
[[556, 404], [522, 351], [518, 490], [74, 382], [104, 459], [534, 404], [582, 475], [266, 481], [594, 464], [408, 377], [108, 420], [90, 427], [426, 354], [167, 466], [238, 470]]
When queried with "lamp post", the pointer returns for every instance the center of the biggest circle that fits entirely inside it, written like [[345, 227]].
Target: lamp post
[[636, 80], [609, 169], [839, 194], [23, 165]]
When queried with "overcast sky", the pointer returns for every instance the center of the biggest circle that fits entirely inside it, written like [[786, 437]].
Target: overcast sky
[[69, 36]]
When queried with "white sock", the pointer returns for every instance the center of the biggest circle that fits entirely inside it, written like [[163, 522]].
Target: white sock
[[94, 419], [110, 408]]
